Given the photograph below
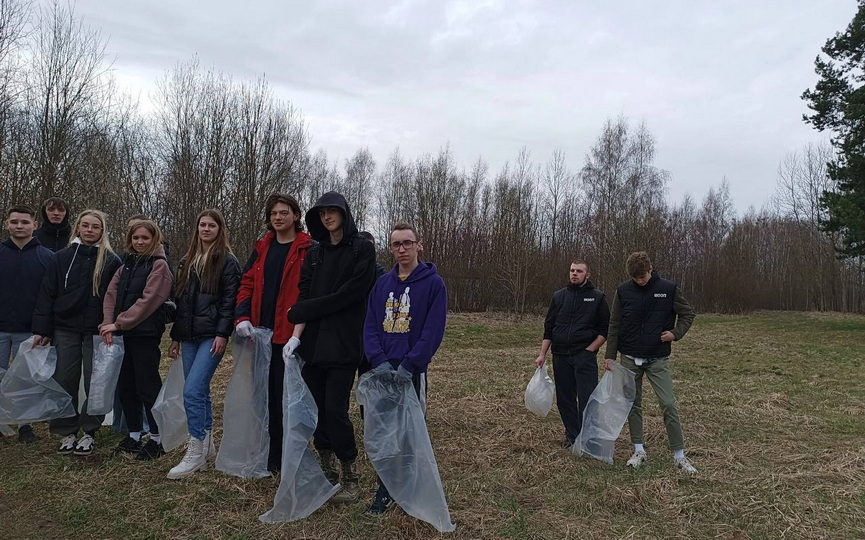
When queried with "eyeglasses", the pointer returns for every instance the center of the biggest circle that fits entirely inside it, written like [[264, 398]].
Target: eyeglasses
[[405, 244]]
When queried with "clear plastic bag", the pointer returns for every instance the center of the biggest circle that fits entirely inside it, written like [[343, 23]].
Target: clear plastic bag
[[168, 410], [107, 361], [303, 487], [606, 413], [398, 445], [245, 441], [28, 393], [539, 392]]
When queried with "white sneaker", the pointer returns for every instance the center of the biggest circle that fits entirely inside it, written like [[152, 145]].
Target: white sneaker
[[67, 445], [84, 446], [684, 465], [195, 459], [209, 445], [638, 459]]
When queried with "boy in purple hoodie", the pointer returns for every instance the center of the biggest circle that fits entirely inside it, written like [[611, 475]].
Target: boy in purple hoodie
[[405, 321]]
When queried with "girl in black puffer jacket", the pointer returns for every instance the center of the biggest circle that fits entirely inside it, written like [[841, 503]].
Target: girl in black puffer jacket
[[68, 312], [207, 281]]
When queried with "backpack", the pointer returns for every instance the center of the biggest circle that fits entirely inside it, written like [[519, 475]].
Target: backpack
[[314, 252]]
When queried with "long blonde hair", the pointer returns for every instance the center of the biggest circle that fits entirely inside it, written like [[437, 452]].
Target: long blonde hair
[[104, 245]]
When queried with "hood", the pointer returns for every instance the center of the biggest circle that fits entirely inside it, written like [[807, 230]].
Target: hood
[[317, 229], [60, 229], [423, 270], [587, 286], [29, 245], [301, 240]]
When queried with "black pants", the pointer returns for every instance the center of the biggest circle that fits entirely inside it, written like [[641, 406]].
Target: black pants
[[576, 378], [274, 407], [139, 383], [331, 388]]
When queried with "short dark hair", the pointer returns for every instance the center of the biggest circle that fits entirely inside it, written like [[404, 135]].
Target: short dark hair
[[368, 236], [288, 200], [638, 264], [21, 209], [54, 202], [583, 262]]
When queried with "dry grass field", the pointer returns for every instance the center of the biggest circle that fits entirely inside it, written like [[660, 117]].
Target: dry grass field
[[772, 405]]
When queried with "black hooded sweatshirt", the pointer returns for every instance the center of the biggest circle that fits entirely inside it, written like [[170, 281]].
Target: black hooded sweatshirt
[[335, 281], [54, 237]]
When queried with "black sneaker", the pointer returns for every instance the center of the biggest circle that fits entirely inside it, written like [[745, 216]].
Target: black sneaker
[[380, 502], [150, 450], [128, 446], [26, 435]]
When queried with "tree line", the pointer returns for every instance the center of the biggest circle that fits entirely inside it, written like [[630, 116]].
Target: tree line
[[501, 239]]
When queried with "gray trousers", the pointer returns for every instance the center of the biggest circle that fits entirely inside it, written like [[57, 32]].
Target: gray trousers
[[74, 353]]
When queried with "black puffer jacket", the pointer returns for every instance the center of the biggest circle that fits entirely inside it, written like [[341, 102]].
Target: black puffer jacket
[[203, 315], [66, 299], [53, 237], [335, 281]]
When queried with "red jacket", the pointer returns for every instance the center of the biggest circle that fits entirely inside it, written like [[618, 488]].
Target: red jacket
[[252, 285]]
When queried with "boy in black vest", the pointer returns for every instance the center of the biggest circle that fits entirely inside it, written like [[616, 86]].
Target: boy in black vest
[[576, 327], [648, 314]]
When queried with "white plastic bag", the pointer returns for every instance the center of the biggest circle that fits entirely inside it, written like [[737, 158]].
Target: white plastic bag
[[107, 361], [28, 394], [606, 413], [245, 441], [398, 445], [5, 431], [168, 410], [303, 487], [539, 392]]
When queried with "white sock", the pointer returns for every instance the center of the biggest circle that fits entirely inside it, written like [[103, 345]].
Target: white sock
[[135, 435], [639, 448], [154, 438], [678, 454]]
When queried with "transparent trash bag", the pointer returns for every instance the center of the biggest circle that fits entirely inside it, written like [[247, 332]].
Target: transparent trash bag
[[398, 445], [303, 487], [606, 413], [107, 360], [5, 430], [539, 392], [169, 411], [245, 441], [28, 393]]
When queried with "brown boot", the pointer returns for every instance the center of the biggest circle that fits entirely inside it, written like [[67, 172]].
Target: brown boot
[[328, 466], [350, 492]]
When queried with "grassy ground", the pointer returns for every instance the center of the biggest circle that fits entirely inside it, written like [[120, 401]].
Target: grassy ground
[[772, 404]]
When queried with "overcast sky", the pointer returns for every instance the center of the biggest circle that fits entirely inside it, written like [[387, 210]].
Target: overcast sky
[[718, 83]]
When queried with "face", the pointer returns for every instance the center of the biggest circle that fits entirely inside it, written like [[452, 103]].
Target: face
[[20, 226], [90, 229], [141, 240], [331, 218], [208, 229], [643, 279], [55, 214], [282, 217], [404, 246], [579, 274]]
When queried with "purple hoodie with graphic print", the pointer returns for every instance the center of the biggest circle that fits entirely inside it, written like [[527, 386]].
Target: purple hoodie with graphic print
[[405, 320]]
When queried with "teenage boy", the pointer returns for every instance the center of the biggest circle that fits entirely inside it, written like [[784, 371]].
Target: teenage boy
[[268, 288], [649, 313], [405, 322], [335, 281], [575, 327], [23, 261], [55, 230]]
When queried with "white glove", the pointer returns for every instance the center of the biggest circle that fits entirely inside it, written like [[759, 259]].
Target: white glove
[[289, 348], [244, 329]]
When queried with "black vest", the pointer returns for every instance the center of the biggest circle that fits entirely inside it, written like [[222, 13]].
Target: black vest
[[130, 288], [647, 311], [576, 324]]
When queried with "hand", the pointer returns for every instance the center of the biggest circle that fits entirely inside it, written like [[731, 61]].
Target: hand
[[403, 374], [218, 347], [591, 350], [540, 360], [667, 336], [40, 341], [608, 364], [244, 329], [174, 349], [288, 350]]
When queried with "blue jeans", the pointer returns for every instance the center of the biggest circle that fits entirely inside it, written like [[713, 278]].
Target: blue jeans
[[199, 364], [9, 343]]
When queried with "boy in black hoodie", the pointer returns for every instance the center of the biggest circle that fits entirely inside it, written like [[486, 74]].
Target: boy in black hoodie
[[55, 230], [335, 281]]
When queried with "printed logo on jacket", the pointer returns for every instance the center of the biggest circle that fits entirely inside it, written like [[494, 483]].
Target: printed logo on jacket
[[396, 313]]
